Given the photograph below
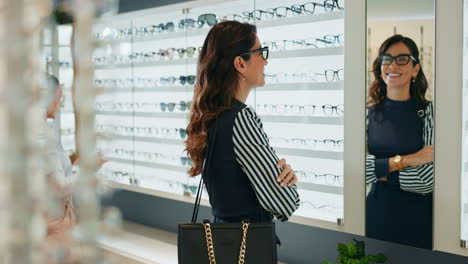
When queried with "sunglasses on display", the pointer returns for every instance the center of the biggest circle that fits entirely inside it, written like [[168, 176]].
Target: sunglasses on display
[[185, 161], [169, 27], [167, 80], [208, 19], [182, 106], [190, 51], [402, 59], [263, 52], [190, 190], [189, 79]]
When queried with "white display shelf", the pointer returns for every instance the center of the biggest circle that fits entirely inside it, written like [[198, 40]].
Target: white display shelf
[[171, 141], [320, 188], [299, 53], [139, 189], [148, 64], [335, 155], [144, 114], [316, 223], [149, 164], [323, 120], [303, 86], [191, 200], [314, 18], [299, 86], [320, 17], [152, 89]]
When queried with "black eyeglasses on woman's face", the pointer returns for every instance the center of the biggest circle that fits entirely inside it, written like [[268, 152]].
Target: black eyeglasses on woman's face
[[263, 51], [402, 59]]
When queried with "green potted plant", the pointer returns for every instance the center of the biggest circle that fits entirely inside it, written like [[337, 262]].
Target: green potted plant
[[354, 253]]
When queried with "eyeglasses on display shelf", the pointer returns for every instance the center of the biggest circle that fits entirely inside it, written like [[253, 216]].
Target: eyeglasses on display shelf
[[182, 106], [159, 132], [301, 104], [284, 109], [308, 143], [327, 178], [153, 71]]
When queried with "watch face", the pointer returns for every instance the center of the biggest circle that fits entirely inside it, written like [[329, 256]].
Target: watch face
[[397, 159]]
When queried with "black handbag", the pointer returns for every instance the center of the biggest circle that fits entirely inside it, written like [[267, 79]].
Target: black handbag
[[224, 243]]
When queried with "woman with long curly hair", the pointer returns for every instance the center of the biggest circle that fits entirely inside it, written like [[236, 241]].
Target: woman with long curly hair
[[399, 162], [243, 175]]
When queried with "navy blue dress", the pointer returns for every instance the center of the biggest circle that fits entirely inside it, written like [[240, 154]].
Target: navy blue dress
[[394, 215]]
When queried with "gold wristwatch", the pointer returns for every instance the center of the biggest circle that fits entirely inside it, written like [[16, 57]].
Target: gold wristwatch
[[397, 160]]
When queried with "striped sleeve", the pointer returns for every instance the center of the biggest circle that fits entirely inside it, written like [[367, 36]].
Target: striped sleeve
[[371, 177], [420, 179], [258, 160]]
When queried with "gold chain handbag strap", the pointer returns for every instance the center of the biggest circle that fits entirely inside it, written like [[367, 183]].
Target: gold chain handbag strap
[[243, 248], [210, 245]]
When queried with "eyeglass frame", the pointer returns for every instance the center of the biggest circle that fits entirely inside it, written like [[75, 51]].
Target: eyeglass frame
[[260, 50], [394, 58]]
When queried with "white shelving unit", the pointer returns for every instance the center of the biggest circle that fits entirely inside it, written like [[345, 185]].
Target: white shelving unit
[[313, 60], [299, 53], [298, 86]]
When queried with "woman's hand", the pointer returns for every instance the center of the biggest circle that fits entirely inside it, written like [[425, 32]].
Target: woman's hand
[[425, 155], [287, 176], [100, 159]]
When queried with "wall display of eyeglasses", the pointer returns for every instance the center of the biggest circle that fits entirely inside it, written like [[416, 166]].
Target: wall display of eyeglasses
[[146, 75]]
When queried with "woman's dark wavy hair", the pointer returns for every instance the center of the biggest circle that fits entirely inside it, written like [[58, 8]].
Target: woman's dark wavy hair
[[378, 88], [216, 82]]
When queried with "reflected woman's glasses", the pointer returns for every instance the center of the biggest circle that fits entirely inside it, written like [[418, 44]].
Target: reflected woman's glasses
[[402, 59]]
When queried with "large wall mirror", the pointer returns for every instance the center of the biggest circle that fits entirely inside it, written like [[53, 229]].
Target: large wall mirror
[[400, 123]]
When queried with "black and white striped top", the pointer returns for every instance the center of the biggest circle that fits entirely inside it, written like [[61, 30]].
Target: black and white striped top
[[258, 161], [419, 179]]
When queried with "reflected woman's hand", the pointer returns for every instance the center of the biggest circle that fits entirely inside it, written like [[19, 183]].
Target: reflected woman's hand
[[287, 176]]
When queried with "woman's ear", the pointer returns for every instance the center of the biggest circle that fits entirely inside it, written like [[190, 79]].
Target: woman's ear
[[416, 69], [239, 64]]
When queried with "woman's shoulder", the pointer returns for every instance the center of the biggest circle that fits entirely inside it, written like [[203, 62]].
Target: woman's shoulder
[[248, 115]]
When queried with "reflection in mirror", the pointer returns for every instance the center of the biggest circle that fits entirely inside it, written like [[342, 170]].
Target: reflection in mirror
[[400, 155]]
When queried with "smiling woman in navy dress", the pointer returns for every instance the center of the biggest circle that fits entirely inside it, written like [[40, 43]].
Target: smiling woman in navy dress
[[399, 162]]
